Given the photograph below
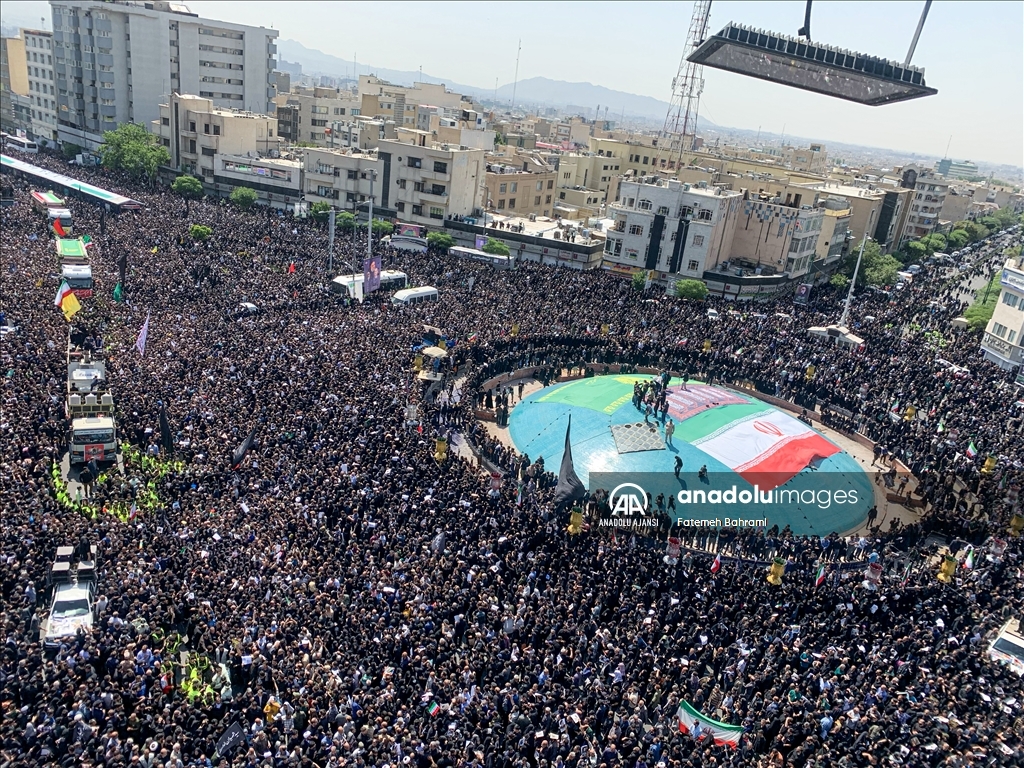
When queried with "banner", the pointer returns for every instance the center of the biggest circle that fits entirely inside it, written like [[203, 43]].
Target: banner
[[371, 274], [698, 726], [480, 242], [140, 343], [803, 293]]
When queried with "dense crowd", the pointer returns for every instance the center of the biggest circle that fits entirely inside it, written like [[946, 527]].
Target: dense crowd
[[376, 607]]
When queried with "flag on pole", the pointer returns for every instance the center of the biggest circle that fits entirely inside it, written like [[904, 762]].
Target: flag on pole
[[133, 511], [241, 450], [433, 709], [716, 566], [66, 300], [819, 575], [906, 576], [140, 343], [291, 268], [971, 450], [969, 560], [59, 229], [87, 240], [473, 337], [569, 487], [697, 725], [118, 293]]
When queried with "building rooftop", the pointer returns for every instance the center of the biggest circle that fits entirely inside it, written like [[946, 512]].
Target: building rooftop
[[844, 190], [282, 162]]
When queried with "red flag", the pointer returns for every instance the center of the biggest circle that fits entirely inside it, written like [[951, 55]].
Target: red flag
[[419, 428], [58, 228], [717, 565], [291, 268]]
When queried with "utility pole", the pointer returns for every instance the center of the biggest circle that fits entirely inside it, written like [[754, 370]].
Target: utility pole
[[369, 223], [853, 284], [515, 82], [330, 242]]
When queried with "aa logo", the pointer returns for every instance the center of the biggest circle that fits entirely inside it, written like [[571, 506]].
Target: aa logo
[[628, 500]]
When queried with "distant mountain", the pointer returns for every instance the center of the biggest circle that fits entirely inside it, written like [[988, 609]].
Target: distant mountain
[[539, 91]]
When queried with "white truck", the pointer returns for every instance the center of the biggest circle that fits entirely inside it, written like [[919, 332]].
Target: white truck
[[92, 435]]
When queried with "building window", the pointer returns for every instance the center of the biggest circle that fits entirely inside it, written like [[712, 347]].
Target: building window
[[536, 200], [686, 211], [440, 167], [515, 187], [192, 146], [502, 189], [561, 195], [206, 128], [192, 126], [551, 184], [636, 229], [692, 265], [400, 207], [415, 162], [644, 205], [547, 198], [704, 214], [999, 330], [209, 152], [501, 205], [417, 210], [662, 209], [437, 189], [540, 185], [1010, 299], [165, 121], [698, 240], [1012, 337], [436, 213], [512, 202], [352, 175], [216, 131], [401, 183], [417, 186]]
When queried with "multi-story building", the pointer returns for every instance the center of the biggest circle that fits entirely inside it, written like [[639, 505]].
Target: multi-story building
[[833, 238], [195, 132], [812, 159], [381, 99], [672, 230], [953, 169], [929, 193], [865, 203], [277, 181], [891, 216], [42, 92], [957, 203], [418, 183], [117, 62], [515, 191], [776, 236], [13, 85], [311, 114], [1004, 334]]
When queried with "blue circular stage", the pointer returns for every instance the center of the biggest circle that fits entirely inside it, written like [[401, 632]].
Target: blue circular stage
[[762, 466]]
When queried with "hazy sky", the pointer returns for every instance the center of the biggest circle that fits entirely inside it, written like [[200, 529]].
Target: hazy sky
[[971, 51]]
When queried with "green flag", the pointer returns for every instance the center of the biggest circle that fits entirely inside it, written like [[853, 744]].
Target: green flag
[[118, 293]]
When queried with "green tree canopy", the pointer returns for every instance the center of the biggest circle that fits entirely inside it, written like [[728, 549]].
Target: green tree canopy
[[691, 289], [440, 241], [958, 239], [134, 150], [496, 247], [189, 187], [989, 222], [243, 197], [935, 243], [382, 228], [882, 270], [639, 280], [200, 232], [980, 312], [839, 280], [320, 210], [916, 250], [345, 221]]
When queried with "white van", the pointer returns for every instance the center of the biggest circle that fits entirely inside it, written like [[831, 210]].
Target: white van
[[409, 296]]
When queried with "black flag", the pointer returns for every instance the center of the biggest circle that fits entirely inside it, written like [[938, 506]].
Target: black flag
[[569, 487], [122, 268], [243, 449], [166, 440], [230, 739]]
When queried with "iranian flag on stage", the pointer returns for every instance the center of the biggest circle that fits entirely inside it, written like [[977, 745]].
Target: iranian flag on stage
[[763, 446], [697, 725]]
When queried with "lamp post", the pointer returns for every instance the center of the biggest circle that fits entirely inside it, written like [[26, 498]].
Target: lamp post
[[369, 222], [853, 283]]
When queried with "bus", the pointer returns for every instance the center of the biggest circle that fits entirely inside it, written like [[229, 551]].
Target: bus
[[351, 286], [498, 262], [1008, 647], [410, 296], [79, 279], [19, 144]]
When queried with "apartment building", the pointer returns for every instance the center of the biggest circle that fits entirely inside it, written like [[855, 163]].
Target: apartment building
[[417, 183], [866, 204], [891, 216], [381, 99], [117, 62], [14, 86], [929, 194], [834, 237], [310, 115], [777, 237], [277, 181], [670, 229], [1002, 343], [515, 191], [40, 89], [812, 159], [195, 132]]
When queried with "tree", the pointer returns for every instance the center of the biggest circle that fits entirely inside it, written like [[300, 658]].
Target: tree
[[69, 150], [496, 247], [345, 221], [320, 210], [916, 250], [200, 232], [134, 150], [973, 229], [882, 270], [989, 222], [688, 288], [243, 197], [935, 243], [440, 241], [839, 281], [189, 187], [639, 281], [382, 228], [957, 239]]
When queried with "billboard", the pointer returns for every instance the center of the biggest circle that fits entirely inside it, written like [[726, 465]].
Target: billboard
[[803, 293], [371, 274]]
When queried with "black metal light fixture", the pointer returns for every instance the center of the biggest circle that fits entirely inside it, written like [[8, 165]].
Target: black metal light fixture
[[809, 66]]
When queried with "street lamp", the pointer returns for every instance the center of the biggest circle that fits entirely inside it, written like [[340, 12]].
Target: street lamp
[[369, 222], [853, 283]]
